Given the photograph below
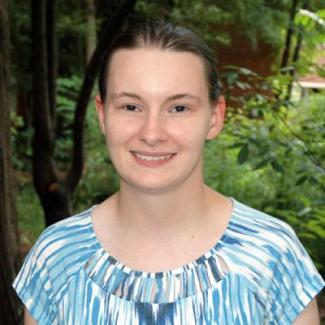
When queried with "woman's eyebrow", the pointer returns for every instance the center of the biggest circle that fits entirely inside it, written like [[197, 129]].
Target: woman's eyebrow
[[124, 94], [183, 96], [169, 98]]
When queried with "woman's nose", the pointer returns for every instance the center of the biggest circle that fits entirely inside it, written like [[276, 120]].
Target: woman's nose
[[153, 130]]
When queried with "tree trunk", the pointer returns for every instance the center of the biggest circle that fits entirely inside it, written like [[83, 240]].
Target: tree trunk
[[54, 189], [91, 38], [9, 248], [50, 188], [296, 53], [289, 35]]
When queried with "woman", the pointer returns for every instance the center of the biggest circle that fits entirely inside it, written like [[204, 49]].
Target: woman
[[166, 249]]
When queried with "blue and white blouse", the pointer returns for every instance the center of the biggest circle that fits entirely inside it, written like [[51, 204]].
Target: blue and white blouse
[[257, 273]]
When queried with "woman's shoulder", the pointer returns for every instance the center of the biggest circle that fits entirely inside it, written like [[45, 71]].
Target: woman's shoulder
[[267, 252], [65, 238], [257, 243], [262, 229], [261, 246], [68, 228], [57, 255]]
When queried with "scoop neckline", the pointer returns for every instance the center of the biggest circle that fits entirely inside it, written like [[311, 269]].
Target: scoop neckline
[[174, 271]]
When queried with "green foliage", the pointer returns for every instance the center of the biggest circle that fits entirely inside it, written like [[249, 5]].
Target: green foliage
[[21, 138], [246, 17], [276, 148], [312, 26], [206, 17], [19, 11], [67, 94], [71, 31], [199, 16], [30, 214]]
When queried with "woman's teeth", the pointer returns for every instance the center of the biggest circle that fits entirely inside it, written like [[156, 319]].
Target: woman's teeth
[[142, 157]]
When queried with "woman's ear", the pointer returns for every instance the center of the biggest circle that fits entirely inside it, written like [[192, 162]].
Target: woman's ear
[[217, 118], [100, 113]]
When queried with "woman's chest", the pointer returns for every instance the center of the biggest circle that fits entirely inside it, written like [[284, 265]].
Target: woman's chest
[[229, 301]]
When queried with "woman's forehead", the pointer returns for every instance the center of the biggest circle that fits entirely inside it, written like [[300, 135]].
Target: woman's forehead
[[156, 68], [151, 53]]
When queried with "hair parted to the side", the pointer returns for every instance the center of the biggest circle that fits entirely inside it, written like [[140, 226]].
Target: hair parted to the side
[[165, 36]]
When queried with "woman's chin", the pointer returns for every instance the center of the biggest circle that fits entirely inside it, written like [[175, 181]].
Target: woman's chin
[[150, 186]]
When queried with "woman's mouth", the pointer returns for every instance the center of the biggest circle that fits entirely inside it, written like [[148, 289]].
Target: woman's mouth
[[152, 159]]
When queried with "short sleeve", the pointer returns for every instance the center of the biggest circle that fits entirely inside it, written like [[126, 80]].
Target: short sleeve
[[295, 281], [33, 285]]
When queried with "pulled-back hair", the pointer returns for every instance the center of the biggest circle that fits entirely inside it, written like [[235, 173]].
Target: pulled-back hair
[[165, 36]]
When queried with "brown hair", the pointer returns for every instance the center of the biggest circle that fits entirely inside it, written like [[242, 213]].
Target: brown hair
[[163, 36]]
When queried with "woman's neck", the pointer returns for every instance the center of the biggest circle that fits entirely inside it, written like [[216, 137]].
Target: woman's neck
[[168, 229], [182, 209]]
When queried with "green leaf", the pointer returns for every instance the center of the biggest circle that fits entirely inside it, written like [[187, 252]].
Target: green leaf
[[243, 154], [262, 164], [301, 180], [313, 180], [231, 77], [277, 166]]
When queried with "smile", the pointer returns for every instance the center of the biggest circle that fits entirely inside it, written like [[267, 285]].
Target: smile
[[152, 159]]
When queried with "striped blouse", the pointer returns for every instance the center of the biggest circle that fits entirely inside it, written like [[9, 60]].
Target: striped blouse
[[257, 273]]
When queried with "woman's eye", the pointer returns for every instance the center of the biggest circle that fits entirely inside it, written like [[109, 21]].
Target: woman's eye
[[179, 109], [130, 108]]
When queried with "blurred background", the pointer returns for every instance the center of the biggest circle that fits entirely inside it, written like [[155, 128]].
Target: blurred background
[[53, 159]]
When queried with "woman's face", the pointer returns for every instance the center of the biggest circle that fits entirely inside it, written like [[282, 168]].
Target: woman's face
[[156, 118]]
